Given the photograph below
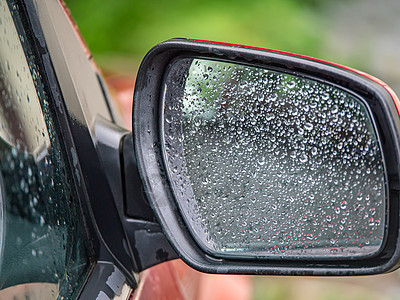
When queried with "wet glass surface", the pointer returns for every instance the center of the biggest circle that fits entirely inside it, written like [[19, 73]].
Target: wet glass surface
[[44, 252], [267, 164]]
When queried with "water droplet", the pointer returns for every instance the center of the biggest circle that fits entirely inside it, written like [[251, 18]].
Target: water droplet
[[261, 161], [303, 158], [291, 84], [270, 117], [267, 153], [371, 222], [343, 204], [308, 126], [314, 151]]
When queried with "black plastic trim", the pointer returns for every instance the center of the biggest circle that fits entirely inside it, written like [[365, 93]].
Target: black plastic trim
[[145, 237], [136, 204]]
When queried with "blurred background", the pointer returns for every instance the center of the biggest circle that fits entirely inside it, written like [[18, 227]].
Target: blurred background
[[363, 34]]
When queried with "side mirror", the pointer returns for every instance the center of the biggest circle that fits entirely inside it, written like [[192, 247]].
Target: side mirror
[[263, 162]]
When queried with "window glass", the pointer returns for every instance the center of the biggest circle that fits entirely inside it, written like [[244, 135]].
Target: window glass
[[43, 242]]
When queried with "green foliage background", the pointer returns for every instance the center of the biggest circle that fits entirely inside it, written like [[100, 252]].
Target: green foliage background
[[130, 28]]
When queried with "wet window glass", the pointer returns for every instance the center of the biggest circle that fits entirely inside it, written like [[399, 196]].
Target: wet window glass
[[267, 164], [43, 242]]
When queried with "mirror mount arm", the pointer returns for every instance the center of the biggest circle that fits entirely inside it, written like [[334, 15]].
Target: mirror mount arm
[[148, 241], [145, 236]]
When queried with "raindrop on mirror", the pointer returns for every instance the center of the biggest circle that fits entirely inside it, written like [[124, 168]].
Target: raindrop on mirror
[[268, 164]]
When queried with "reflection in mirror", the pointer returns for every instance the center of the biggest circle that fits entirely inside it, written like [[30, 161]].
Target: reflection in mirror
[[267, 164]]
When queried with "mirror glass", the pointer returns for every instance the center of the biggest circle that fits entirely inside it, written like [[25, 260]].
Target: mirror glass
[[265, 164]]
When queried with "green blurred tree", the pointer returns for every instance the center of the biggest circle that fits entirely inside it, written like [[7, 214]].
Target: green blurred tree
[[131, 28]]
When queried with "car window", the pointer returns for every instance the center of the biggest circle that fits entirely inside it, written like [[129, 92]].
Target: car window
[[44, 250]]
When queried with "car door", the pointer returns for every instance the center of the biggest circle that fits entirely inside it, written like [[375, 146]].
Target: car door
[[49, 245]]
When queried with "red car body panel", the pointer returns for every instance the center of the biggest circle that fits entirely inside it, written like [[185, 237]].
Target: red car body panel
[[175, 280]]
